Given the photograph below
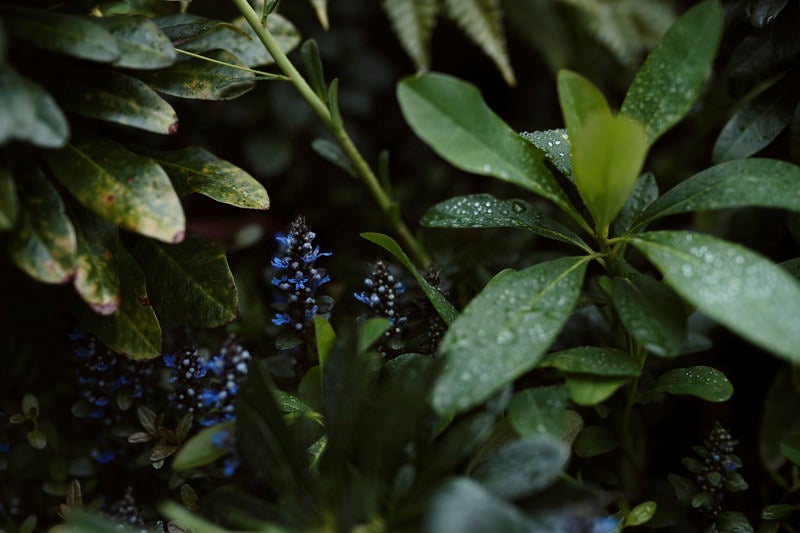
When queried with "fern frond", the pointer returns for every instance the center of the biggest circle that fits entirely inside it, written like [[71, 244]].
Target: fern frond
[[413, 22]]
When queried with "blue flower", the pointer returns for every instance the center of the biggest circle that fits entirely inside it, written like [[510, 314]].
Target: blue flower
[[381, 295], [605, 524]]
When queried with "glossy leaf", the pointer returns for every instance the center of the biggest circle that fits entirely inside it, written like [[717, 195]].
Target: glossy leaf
[[702, 381], [670, 81], [195, 170], [539, 410], [9, 203], [732, 284], [43, 243], [127, 189], [593, 360], [141, 42], [200, 450], [651, 312], [644, 193], [504, 331], [190, 282], [118, 98], [413, 22], [452, 118], [463, 506], [97, 268], [555, 145], [202, 80], [133, 330], [641, 514], [587, 389], [593, 441], [579, 98], [29, 113]]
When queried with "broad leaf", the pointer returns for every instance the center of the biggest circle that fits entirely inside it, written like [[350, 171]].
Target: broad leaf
[[127, 189], [141, 42], [593, 441], [452, 118], [370, 331], [29, 113], [9, 203], [777, 421], [464, 506], [539, 410], [579, 98], [194, 169], [702, 381], [555, 145], [81, 521], [201, 449], [413, 22], [253, 52], [644, 193], [732, 284], [133, 330], [43, 243], [588, 389], [593, 360], [790, 447], [190, 282], [504, 331], [97, 267], [670, 81]]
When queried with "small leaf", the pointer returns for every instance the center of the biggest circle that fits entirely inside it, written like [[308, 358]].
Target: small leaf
[[641, 514], [463, 505], [790, 447], [333, 153], [670, 81], [141, 42], [586, 389], [201, 450], [702, 381], [9, 203], [593, 360], [683, 488], [312, 62], [579, 98], [539, 410], [127, 189], [555, 145], [37, 439], [504, 331], [413, 22], [148, 419], [644, 193], [29, 113], [30, 406], [593, 441], [321, 9], [96, 269]]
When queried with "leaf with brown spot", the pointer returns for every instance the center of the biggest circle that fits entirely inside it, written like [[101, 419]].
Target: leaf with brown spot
[[97, 268]]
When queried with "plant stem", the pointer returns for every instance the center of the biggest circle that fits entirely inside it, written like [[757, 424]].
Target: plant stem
[[267, 75], [363, 170]]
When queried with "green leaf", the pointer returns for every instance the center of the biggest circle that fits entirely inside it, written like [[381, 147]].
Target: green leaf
[[644, 193], [321, 9], [81, 521], [579, 98], [523, 467], [189, 283], [29, 113], [702, 381], [778, 511], [651, 312], [97, 268], [452, 118], [593, 441], [413, 22], [200, 450], [440, 303], [777, 421], [463, 506], [370, 331], [587, 389], [486, 211], [72, 35], [9, 203], [324, 336], [670, 81], [540, 410], [683, 488], [732, 284], [593, 360], [482, 21], [746, 182], [118, 98], [733, 522], [133, 330], [608, 153], [43, 243], [127, 189], [202, 80], [504, 331], [790, 447], [555, 145], [141, 42], [194, 169], [333, 153], [763, 12], [252, 52], [312, 63], [641, 514]]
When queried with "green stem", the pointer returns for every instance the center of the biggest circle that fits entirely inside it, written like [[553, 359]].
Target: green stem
[[268, 75]]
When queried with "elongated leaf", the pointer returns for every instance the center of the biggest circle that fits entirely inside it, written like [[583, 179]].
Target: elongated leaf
[[321, 9], [118, 98], [9, 204], [413, 22], [732, 284], [790, 447], [486, 211], [190, 282], [482, 21], [201, 450], [669, 82], [81, 521], [194, 169], [333, 153], [97, 267], [202, 80], [504, 331], [440, 303], [762, 12], [29, 113], [452, 118], [66, 34], [777, 421], [43, 244], [324, 336], [141, 42], [747, 182], [644, 193], [587, 389], [555, 145], [593, 360], [133, 330], [464, 506], [253, 52], [127, 189], [540, 410], [701, 381], [579, 98]]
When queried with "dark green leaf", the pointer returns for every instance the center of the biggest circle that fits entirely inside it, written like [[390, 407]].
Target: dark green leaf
[[593, 441], [669, 82], [504, 331], [324, 337], [127, 189], [555, 145], [413, 22], [644, 193], [464, 506], [190, 282], [133, 330], [9, 204], [777, 421], [593, 360], [702, 381], [452, 118], [141, 42], [334, 154], [486, 211], [762, 12], [252, 51], [200, 450], [440, 303], [312, 63], [460, 442], [732, 284], [794, 135], [202, 80], [683, 488], [651, 312], [29, 113], [586, 389], [733, 522], [194, 169], [97, 268], [790, 447], [778, 511], [81, 521], [43, 243], [370, 331], [540, 410], [182, 27]]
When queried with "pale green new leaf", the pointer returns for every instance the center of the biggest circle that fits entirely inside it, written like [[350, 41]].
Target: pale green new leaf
[[579, 98], [413, 22], [321, 9]]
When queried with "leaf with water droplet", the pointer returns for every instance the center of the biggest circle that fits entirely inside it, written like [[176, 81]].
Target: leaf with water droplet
[[644, 193], [579, 98], [593, 360], [735, 286], [539, 410], [702, 381], [504, 331], [555, 145]]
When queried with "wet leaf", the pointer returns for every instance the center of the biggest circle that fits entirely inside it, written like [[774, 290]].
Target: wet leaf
[[125, 188], [555, 145], [701, 381], [504, 331], [201, 450], [413, 22], [539, 410], [141, 42], [593, 360], [97, 269], [644, 193], [587, 389], [9, 203], [730, 283], [579, 98], [593, 441], [674, 73], [463, 505], [29, 113]]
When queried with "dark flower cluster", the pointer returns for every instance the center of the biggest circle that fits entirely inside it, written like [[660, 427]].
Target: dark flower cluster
[[125, 511], [186, 372], [435, 326], [381, 293]]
